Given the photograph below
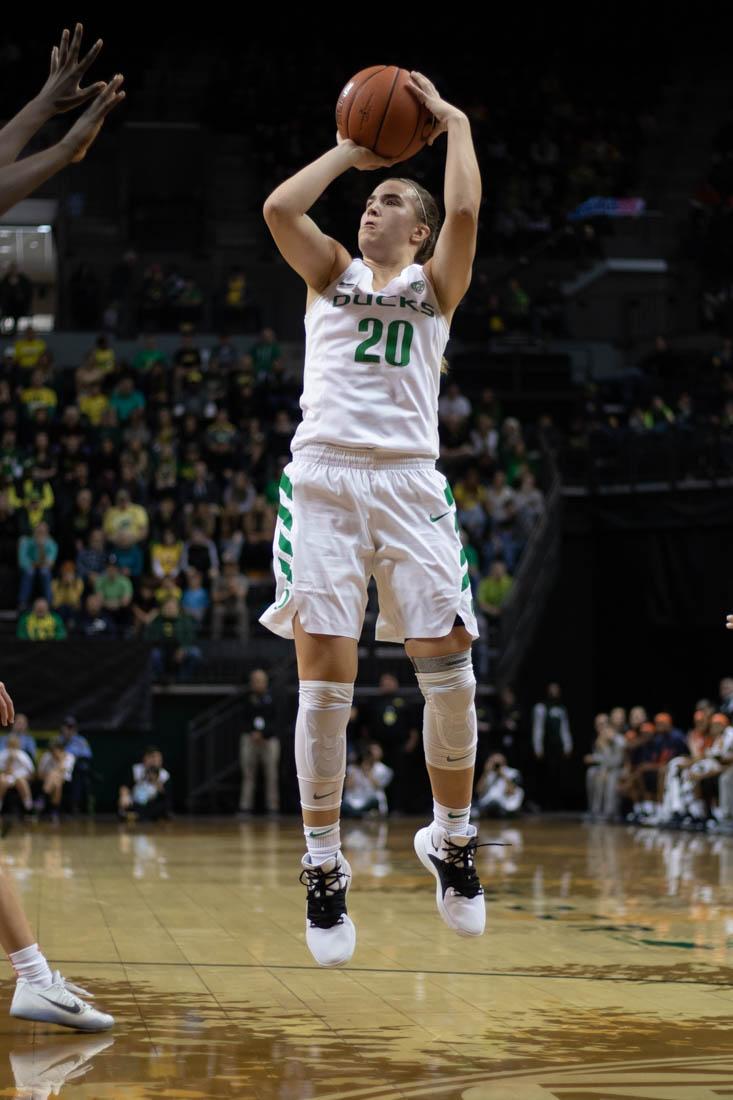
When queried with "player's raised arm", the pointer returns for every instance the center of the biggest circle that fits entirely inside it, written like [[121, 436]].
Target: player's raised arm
[[61, 92], [450, 266], [317, 258], [19, 179]]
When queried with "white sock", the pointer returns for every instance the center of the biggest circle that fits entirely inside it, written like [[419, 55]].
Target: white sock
[[30, 964], [451, 819], [323, 841]]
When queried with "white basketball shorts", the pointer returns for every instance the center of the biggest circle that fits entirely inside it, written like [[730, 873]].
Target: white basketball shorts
[[346, 515]]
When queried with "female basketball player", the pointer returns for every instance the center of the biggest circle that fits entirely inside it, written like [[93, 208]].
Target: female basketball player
[[39, 993], [362, 497]]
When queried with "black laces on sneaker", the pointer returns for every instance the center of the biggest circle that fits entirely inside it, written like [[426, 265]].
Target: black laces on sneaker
[[326, 895], [460, 867]]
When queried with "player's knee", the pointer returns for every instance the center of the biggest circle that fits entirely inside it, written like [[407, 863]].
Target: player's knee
[[320, 741], [449, 731]]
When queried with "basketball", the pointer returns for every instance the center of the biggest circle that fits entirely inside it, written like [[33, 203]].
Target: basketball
[[377, 110]]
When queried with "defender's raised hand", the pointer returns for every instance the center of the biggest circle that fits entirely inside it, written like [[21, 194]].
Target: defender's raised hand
[[63, 91], [84, 131]]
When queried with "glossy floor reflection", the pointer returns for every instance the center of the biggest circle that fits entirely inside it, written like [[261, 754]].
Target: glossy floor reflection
[[606, 971]]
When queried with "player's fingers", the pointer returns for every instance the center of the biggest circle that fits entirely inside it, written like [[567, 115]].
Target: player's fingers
[[54, 59], [105, 99], [64, 47], [89, 58], [88, 93], [75, 42]]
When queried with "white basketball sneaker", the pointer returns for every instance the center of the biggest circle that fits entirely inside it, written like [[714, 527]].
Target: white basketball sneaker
[[458, 892], [329, 931], [60, 1003]]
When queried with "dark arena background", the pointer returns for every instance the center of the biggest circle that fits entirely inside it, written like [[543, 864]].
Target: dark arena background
[[151, 351]]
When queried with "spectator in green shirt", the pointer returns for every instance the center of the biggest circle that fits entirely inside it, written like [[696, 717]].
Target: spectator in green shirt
[[174, 634], [148, 356], [126, 399], [41, 624], [116, 592], [265, 353], [494, 590]]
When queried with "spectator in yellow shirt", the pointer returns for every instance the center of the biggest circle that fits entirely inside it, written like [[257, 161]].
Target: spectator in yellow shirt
[[168, 590], [125, 524], [67, 591], [29, 349], [36, 500], [165, 556], [102, 356], [94, 404], [38, 396]]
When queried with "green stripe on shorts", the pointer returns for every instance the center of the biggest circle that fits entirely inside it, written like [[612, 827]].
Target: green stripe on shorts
[[465, 583], [286, 486], [285, 516], [448, 493], [284, 545], [286, 569]]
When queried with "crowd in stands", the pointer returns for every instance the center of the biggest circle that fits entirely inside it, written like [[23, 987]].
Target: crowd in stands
[[670, 416], [139, 498], [135, 297], [654, 774], [55, 778]]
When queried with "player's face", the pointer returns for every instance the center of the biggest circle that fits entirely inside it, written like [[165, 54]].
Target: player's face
[[389, 215]]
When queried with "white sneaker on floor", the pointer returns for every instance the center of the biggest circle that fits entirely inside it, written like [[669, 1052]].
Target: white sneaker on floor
[[329, 931], [458, 892], [60, 1003], [47, 1067]]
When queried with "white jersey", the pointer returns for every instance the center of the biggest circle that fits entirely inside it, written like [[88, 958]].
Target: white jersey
[[372, 364]]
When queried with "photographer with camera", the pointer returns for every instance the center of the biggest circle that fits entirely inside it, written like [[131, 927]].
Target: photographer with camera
[[499, 791], [148, 799]]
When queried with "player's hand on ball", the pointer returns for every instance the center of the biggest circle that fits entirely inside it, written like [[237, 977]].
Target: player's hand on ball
[[363, 159], [729, 622], [7, 710], [428, 94]]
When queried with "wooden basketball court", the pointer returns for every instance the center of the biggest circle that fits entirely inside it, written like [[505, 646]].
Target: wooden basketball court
[[606, 971]]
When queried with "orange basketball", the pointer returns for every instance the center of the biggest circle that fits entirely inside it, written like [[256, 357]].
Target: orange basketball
[[378, 111]]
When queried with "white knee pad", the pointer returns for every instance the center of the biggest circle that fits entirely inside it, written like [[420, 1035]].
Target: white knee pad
[[320, 742], [449, 719]]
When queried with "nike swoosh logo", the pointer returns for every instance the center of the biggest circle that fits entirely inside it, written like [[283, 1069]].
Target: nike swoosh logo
[[322, 833], [434, 519], [324, 795], [75, 1009], [451, 759], [456, 815]]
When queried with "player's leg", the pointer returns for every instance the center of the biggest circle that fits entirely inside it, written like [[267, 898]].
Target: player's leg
[[447, 847], [327, 667], [425, 601], [323, 554], [40, 994]]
